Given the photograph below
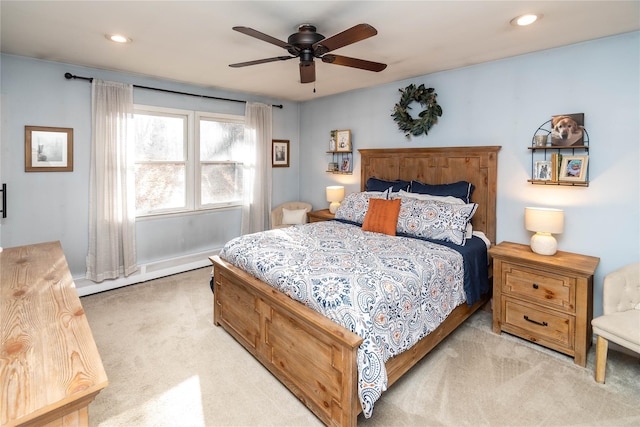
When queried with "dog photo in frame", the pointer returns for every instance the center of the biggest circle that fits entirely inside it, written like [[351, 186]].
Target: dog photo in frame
[[567, 130]]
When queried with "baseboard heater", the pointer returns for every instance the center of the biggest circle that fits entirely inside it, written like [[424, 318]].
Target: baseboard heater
[[148, 271]]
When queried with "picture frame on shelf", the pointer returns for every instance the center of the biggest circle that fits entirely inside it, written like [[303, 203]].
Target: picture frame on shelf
[[48, 149], [343, 140], [346, 165], [280, 153], [567, 130], [543, 170], [574, 168]]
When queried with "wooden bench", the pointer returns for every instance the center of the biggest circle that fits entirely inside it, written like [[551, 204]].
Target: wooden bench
[[50, 369]]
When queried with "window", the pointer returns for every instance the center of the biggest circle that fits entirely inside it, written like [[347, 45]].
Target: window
[[186, 161], [221, 151]]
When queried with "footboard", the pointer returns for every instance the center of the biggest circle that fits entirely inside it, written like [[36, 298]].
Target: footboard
[[312, 356]]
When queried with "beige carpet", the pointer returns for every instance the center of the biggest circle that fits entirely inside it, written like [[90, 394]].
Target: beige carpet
[[168, 365]]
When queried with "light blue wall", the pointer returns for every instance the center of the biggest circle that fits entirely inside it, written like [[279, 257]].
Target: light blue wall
[[47, 206], [499, 103], [503, 103]]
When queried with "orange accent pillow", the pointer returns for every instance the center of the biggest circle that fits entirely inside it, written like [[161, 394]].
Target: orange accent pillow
[[382, 216]]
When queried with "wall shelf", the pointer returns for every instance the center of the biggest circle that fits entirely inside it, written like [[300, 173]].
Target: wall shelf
[[341, 162], [550, 156]]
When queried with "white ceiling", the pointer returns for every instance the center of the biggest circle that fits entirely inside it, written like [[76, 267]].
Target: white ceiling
[[192, 41]]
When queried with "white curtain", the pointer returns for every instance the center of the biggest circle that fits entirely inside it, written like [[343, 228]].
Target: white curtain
[[112, 250], [257, 168]]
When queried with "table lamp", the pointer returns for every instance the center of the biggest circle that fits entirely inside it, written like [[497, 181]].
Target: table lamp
[[545, 222], [335, 194]]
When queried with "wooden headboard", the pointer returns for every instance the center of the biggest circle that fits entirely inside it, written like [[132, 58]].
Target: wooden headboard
[[477, 165]]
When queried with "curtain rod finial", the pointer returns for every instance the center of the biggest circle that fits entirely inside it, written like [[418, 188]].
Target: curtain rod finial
[[68, 76]]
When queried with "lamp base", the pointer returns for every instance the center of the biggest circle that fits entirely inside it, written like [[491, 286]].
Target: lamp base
[[333, 207], [544, 244]]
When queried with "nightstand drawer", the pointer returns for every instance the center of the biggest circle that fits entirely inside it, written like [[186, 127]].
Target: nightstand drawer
[[551, 289], [553, 329]]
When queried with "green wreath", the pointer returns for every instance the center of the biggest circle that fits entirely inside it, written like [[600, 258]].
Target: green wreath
[[426, 119]]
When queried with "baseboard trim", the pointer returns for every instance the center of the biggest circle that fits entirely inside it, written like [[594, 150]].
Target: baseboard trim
[[148, 271]]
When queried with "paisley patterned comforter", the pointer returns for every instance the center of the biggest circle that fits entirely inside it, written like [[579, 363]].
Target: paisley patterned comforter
[[391, 291]]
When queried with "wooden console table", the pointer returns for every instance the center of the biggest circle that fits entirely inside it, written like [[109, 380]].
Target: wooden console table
[[50, 369]]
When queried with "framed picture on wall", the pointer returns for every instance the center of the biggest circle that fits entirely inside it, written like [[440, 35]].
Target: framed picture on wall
[[48, 149], [567, 130], [280, 153], [343, 141], [574, 168]]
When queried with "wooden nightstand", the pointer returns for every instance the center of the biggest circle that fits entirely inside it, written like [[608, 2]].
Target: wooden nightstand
[[544, 299], [321, 215]]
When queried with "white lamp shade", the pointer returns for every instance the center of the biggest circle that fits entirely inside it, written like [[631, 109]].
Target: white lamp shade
[[544, 221], [335, 194]]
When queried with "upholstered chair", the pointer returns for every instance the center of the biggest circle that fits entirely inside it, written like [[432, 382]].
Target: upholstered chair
[[620, 322], [290, 213]]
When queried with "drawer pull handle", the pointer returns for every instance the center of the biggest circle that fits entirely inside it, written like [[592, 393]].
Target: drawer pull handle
[[535, 286], [535, 321]]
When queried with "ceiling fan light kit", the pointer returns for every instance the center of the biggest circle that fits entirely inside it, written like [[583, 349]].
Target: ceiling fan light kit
[[307, 44]]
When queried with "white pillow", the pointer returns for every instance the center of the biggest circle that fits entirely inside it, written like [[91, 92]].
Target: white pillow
[[445, 199], [294, 216]]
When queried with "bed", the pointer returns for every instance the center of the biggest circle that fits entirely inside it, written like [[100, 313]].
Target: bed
[[315, 357]]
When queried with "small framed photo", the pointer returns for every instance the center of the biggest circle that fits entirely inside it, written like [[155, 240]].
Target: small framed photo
[[346, 165], [280, 153], [48, 149], [574, 168], [543, 170], [343, 140]]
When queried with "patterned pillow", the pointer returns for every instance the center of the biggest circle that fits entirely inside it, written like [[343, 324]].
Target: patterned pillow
[[354, 207], [436, 220]]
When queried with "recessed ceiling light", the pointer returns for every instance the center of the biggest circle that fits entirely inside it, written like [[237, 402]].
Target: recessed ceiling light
[[118, 38], [523, 20]]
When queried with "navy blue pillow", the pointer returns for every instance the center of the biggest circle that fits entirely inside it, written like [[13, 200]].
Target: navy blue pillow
[[461, 189], [375, 184]]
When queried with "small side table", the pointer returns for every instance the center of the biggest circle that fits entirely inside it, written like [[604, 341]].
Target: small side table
[[547, 300], [321, 215]]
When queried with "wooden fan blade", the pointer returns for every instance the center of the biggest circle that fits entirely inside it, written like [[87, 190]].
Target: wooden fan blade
[[261, 36], [352, 35], [354, 62], [261, 61], [307, 72]]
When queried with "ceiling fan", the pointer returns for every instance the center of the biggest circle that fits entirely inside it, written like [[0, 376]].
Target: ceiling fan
[[307, 44]]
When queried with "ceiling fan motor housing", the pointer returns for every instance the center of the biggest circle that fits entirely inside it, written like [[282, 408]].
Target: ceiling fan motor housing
[[305, 37]]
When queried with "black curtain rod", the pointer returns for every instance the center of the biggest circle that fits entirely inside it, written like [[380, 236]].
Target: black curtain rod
[[70, 76]]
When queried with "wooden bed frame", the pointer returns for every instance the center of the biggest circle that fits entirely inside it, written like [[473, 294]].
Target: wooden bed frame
[[315, 357]]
